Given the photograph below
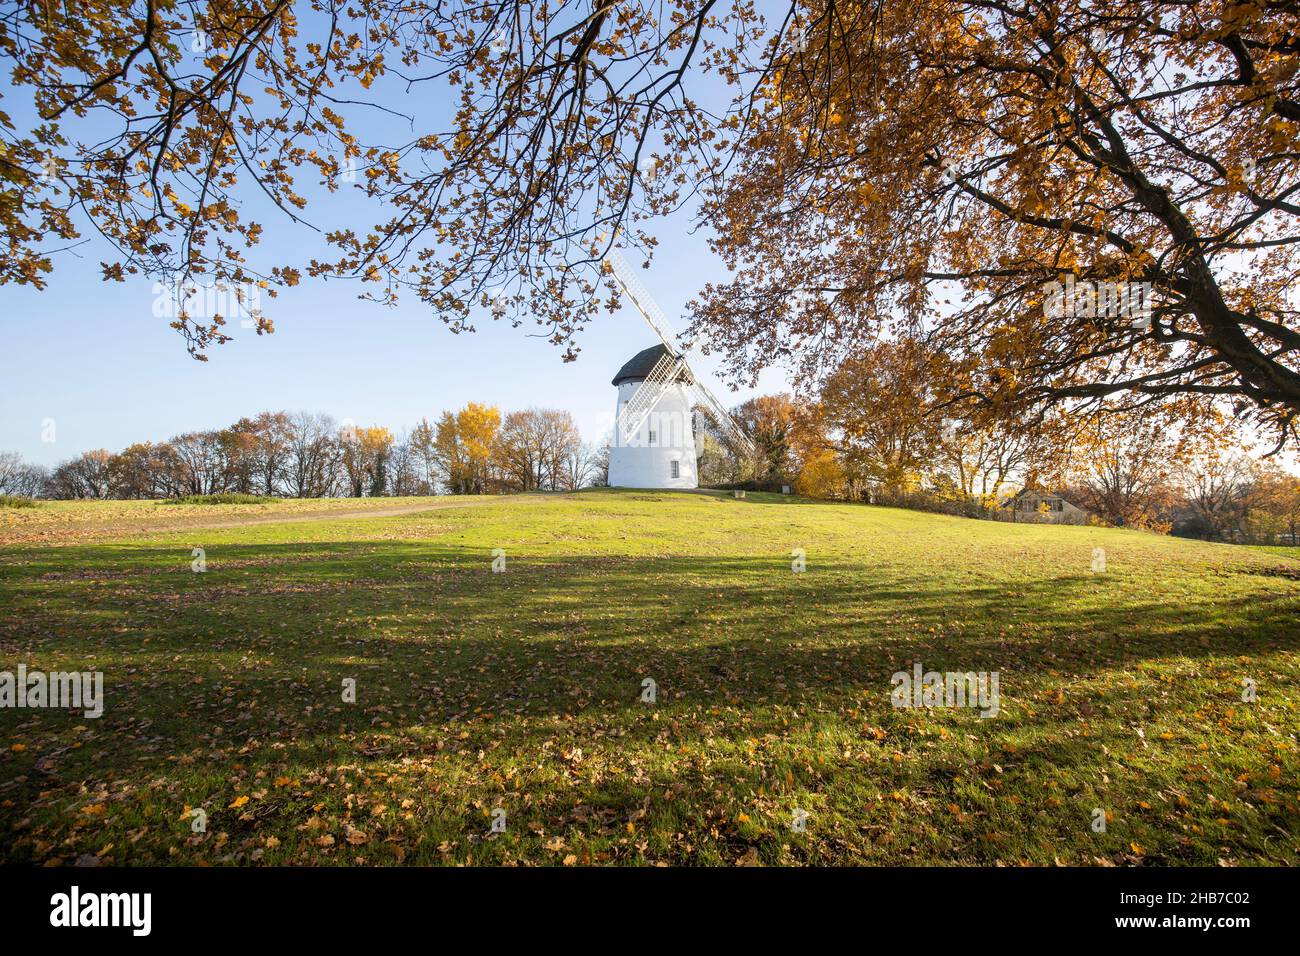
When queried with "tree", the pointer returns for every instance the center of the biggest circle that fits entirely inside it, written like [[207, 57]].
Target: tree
[[424, 456], [11, 464], [18, 477], [311, 455], [995, 152], [1125, 467], [533, 447], [875, 160], [260, 449], [13, 474], [983, 454], [239, 452], [581, 467], [600, 463], [819, 471], [198, 463], [461, 450], [1216, 489], [86, 476], [404, 474], [877, 408], [716, 462], [768, 421], [143, 470], [275, 102], [364, 453], [1276, 494]]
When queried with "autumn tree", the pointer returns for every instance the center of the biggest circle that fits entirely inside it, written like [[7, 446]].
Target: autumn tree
[[1216, 489], [768, 420], [941, 165], [819, 471], [1275, 493], [143, 470], [363, 454], [534, 446], [459, 453], [152, 147], [239, 451], [263, 451], [1125, 468], [933, 166], [877, 406], [985, 454], [86, 476]]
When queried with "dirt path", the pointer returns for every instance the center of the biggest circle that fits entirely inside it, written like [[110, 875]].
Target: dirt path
[[330, 515], [79, 529]]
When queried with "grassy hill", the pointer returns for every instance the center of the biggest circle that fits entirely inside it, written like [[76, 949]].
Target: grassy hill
[[1120, 692]]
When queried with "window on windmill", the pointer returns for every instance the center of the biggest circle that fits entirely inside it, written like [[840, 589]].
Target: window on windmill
[[652, 438], [675, 468]]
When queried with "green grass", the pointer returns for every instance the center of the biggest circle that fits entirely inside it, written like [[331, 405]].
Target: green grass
[[1120, 691], [226, 498], [16, 501]]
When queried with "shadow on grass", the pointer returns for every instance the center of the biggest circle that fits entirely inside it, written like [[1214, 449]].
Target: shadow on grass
[[454, 662]]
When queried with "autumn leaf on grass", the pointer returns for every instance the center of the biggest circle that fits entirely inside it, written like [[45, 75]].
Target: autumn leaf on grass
[[325, 840], [237, 803], [353, 835], [555, 844]]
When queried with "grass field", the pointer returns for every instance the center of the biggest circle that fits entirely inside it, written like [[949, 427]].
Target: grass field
[[1120, 691]]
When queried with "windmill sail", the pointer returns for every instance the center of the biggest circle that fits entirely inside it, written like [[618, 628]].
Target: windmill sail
[[722, 417], [641, 298], [669, 370]]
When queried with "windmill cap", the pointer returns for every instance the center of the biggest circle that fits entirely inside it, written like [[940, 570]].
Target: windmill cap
[[638, 366]]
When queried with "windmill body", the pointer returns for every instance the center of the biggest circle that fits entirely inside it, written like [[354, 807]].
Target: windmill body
[[654, 434], [656, 446]]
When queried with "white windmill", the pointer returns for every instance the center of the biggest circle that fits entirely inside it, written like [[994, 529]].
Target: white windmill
[[654, 431]]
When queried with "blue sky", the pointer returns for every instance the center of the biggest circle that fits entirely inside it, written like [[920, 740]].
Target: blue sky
[[93, 358]]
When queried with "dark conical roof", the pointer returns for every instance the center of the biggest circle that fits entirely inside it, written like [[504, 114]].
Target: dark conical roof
[[639, 365]]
